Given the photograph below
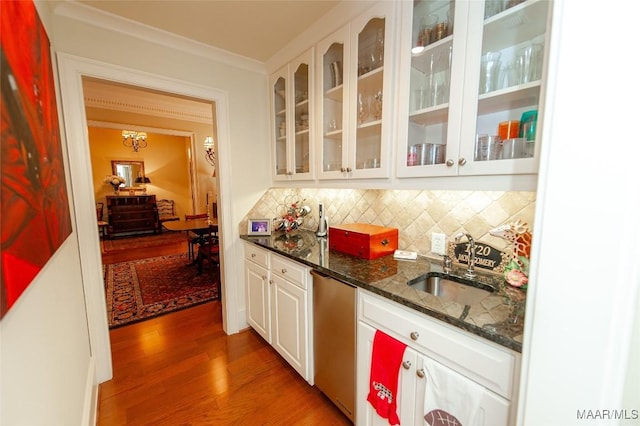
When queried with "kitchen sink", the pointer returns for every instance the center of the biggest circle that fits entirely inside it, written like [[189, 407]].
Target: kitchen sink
[[451, 288]]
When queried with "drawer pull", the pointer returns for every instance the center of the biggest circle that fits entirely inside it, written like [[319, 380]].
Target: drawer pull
[[284, 270], [420, 373], [253, 255], [406, 365], [414, 335], [385, 242]]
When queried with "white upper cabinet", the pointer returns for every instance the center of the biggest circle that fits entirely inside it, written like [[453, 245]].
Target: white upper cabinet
[[471, 87], [333, 110], [356, 108], [292, 114]]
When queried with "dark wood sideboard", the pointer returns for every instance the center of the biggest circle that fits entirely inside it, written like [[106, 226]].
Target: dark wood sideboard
[[129, 214]]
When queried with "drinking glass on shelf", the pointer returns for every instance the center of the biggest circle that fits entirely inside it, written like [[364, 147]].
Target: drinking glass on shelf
[[537, 52], [508, 75], [420, 98], [363, 108], [377, 105], [493, 7], [489, 72], [438, 90]]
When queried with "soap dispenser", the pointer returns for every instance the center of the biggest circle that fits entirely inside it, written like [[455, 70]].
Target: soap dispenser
[[323, 224]]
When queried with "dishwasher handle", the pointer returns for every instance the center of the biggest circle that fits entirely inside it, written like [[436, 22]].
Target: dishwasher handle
[[324, 276]]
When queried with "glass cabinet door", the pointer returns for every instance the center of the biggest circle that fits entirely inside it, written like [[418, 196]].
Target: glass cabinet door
[[333, 60], [434, 55], [508, 72], [293, 119], [432, 33], [369, 95], [301, 149], [280, 130]]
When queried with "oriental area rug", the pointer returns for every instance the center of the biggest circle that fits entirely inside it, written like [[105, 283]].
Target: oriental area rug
[[142, 241], [146, 288]]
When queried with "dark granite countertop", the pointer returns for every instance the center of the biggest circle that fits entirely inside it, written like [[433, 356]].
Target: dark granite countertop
[[388, 277]]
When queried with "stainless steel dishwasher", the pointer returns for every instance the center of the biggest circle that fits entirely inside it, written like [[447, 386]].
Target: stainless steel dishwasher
[[334, 332]]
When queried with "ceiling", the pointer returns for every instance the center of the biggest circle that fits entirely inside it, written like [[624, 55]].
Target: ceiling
[[255, 29]]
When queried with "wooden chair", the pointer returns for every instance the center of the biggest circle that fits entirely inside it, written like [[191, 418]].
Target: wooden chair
[[166, 211], [102, 224], [209, 251], [194, 239]]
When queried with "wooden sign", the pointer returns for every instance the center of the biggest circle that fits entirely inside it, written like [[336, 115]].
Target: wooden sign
[[487, 257]]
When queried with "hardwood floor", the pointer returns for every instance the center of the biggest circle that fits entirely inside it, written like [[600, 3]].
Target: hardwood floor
[[182, 369]]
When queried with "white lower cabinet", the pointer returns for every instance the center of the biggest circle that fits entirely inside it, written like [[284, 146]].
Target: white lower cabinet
[[256, 277], [279, 306], [484, 374]]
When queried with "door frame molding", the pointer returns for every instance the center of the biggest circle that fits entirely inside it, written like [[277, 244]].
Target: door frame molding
[[71, 70]]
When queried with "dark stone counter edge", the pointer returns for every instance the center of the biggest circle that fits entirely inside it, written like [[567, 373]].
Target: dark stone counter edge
[[499, 339]]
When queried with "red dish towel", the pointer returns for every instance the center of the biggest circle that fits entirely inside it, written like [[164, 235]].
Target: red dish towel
[[383, 383]]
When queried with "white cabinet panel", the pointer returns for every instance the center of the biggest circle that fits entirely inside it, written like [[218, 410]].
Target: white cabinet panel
[[257, 282], [290, 317]]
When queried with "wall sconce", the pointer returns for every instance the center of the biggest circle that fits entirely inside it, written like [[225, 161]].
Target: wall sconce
[[135, 140], [209, 153]]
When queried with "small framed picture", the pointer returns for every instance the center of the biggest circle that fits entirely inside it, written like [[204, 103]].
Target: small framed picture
[[259, 227]]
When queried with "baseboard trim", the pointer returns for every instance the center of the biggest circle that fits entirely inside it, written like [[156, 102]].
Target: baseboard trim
[[90, 406]]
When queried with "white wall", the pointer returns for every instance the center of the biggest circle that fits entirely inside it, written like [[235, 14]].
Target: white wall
[[46, 361], [581, 308]]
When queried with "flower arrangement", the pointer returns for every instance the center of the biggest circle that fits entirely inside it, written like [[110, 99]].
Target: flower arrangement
[[115, 181], [293, 217]]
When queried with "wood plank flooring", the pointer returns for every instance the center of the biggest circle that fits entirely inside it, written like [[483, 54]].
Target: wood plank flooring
[[182, 369]]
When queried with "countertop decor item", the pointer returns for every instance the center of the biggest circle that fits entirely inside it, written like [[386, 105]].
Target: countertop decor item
[[516, 273], [363, 240], [292, 217]]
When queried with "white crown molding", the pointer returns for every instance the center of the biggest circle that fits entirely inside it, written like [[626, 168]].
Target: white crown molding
[[127, 99], [91, 16], [148, 129]]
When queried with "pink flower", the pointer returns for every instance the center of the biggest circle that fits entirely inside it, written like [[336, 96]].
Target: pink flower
[[516, 278]]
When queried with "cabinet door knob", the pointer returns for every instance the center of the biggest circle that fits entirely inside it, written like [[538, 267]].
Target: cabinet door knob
[[462, 161], [420, 373], [414, 335], [284, 271], [253, 255], [406, 365], [450, 162], [348, 169]]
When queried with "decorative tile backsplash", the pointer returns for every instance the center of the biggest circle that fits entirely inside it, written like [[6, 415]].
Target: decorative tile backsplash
[[416, 213]]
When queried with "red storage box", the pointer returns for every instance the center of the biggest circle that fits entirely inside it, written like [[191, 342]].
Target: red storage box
[[363, 240]]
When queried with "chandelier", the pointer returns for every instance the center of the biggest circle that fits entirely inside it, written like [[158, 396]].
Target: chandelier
[[135, 140]]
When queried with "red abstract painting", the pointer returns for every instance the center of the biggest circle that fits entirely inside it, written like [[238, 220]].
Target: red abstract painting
[[34, 207]]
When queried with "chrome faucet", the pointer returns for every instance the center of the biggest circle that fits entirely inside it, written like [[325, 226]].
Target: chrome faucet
[[472, 254]]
